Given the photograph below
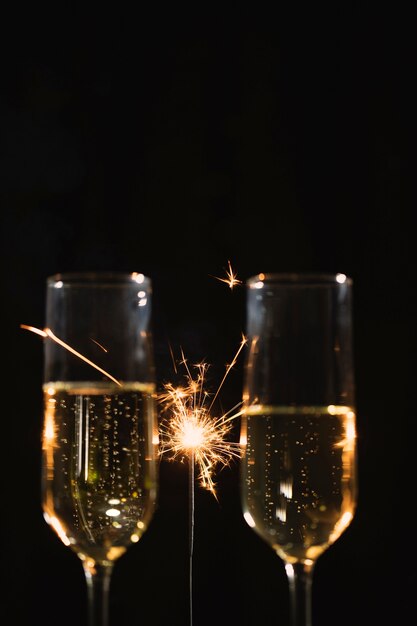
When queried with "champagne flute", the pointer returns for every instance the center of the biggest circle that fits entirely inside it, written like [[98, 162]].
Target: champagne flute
[[99, 477], [298, 470]]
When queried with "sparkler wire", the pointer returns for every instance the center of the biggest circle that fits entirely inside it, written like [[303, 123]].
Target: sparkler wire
[[191, 529]]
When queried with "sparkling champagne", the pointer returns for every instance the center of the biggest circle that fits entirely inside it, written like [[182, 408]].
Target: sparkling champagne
[[99, 468], [298, 476]]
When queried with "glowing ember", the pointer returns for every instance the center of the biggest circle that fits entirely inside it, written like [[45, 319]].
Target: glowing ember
[[47, 332], [231, 277]]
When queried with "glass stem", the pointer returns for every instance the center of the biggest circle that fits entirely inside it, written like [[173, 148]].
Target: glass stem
[[98, 587], [300, 577]]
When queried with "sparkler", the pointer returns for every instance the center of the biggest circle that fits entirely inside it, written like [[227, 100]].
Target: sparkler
[[192, 431]]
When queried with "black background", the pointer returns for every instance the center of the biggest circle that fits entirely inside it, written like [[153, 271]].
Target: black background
[[170, 141]]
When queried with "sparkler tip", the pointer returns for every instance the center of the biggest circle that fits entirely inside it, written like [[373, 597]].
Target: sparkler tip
[[190, 430]]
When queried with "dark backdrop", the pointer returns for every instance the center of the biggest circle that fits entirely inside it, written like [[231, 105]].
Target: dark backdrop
[[169, 142]]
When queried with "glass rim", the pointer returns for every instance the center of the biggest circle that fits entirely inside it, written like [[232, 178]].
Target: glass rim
[[298, 279], [112, 278]]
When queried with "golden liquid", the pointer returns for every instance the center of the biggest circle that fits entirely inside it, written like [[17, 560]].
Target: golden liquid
[[99, 465], [298, 476]]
